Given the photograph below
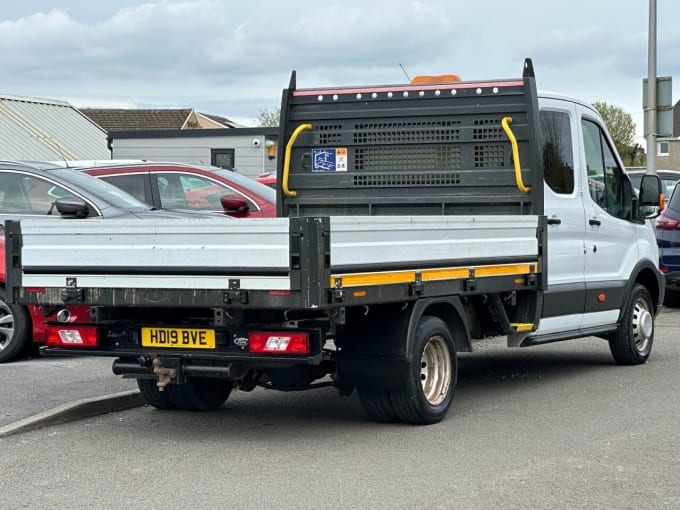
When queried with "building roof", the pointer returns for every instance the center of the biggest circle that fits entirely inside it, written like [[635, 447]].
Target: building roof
[[227, 123], [120, 119], [47, 130]]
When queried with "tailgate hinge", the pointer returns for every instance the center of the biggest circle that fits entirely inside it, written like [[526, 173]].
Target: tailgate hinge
[[471, 282], [235, 294], [71, 293], [416, 288]]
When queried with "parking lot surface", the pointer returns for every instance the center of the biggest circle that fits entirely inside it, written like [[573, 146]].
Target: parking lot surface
[[36, 385], [559, 426]]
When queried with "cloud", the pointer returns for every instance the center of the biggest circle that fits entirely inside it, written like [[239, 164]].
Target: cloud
[[234, 58]]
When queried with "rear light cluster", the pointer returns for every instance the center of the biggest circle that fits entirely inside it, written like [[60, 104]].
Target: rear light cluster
[[278, 342], [72, 336], [663, 222], [259, 342]]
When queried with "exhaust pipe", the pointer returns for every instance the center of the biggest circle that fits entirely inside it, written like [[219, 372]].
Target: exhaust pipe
[[233, 371]]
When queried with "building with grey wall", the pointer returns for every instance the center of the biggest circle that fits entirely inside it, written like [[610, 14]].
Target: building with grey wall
[[249, 151]]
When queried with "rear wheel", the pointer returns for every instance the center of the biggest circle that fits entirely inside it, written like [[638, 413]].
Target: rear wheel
[[377, 405], [430, 380], [15, 329], [153, 396], [632, 343], [200, 393]]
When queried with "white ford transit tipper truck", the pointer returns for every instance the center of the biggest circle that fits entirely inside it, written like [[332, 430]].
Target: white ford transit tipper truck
[[414, 220]]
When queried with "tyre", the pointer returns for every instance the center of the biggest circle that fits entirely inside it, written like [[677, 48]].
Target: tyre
[[632, 343], [430, 383], [154, 396], [377, 405], [16, 333], [200, 393]]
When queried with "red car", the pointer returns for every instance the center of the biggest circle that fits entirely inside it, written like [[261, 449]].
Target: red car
[[27, 320], [268, 179], [182, 186]]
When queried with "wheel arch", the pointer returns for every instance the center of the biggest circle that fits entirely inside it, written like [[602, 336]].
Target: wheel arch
[[451, 311], [646, 274], [376, 343]]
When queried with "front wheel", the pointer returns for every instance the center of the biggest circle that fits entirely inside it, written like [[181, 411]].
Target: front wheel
[[632, 343], [430, 379]]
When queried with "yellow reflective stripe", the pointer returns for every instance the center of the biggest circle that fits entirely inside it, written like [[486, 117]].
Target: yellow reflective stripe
[[353, 280], [505, 269], [445, 274], [523, 326], [448, 273]]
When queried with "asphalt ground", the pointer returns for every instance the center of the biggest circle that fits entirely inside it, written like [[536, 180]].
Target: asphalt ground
[[42, 391], [552, 427], [46, 390]]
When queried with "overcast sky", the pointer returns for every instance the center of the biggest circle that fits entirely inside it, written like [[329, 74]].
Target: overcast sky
[[233, 58]]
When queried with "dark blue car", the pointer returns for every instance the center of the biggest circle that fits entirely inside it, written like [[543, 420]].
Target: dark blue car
[[668, 239]]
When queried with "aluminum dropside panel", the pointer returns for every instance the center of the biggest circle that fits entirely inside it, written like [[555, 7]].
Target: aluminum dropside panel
[[188, 254]]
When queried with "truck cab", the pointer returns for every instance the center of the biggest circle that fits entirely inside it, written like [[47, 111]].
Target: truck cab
[[592, 216]]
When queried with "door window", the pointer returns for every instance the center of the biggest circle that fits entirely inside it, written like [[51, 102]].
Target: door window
[[558, 155], [188, 191], [27, 194], [132, 183], [605, 177]]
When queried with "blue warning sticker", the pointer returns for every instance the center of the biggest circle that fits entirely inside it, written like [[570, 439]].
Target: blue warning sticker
[[329, 160]]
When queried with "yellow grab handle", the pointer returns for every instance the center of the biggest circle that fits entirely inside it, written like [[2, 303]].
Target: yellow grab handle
[[286, 160], [515, 155]]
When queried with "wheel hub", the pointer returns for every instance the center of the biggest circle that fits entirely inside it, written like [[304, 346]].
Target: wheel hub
[[435, 370], [643, 325], [6, 326]]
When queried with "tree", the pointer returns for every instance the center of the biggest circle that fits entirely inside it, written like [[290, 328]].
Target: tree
[[268, 118], [622, 130]]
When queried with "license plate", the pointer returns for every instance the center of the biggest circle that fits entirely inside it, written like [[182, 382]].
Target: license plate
[[178, 338]]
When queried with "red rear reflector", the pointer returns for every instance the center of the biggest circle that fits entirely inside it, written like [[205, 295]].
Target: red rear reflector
[[277, 342], [279, 293], [35, 289], [72, 336]]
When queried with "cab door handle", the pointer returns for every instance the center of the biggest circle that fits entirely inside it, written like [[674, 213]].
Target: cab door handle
[[554, 221], [595, 221]]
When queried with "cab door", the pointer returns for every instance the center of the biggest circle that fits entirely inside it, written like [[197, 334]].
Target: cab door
[[564, 299], [611, 249]]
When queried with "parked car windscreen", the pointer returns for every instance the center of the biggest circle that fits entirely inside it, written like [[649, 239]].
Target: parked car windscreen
[[100, 189], [668, 180]]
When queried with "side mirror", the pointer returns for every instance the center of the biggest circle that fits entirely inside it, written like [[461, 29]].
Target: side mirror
[[72, 207], [234, 204], [650, 199]]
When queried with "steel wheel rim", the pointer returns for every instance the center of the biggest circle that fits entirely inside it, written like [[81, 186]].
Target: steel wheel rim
[[642, 324], [435, 370], [6, 325]]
